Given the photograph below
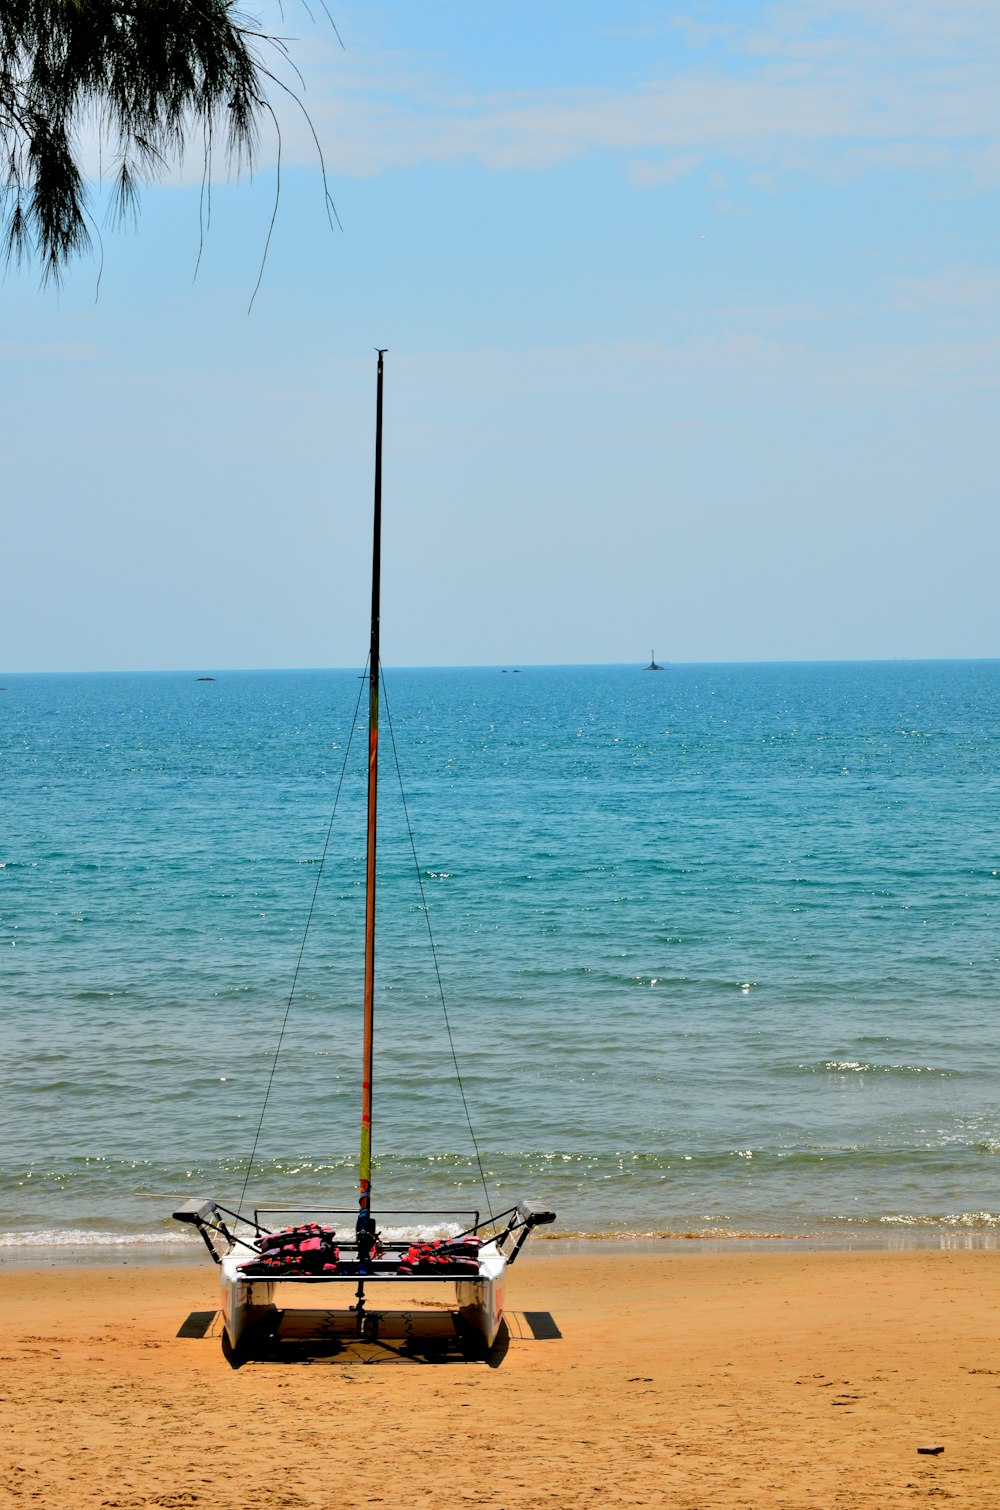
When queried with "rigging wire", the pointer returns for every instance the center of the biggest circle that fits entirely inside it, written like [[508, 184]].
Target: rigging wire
[[430, 937], [302, 946]]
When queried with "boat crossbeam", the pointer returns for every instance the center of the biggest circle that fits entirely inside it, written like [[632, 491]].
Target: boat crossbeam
[[522, 1219], [209, 1219]]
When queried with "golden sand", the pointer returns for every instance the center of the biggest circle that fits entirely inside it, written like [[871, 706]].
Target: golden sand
[[695, 1380]]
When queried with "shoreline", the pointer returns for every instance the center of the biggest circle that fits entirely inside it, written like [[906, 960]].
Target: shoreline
[[676, 1379], [149, 1252]]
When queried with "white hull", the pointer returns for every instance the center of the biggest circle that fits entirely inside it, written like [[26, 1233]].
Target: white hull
[[244, 1301], [480, 1301]]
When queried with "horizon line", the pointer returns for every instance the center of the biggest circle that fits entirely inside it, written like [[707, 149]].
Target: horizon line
[[509, 666]]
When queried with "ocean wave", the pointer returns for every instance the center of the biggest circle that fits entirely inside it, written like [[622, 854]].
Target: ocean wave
[[960, 1219], [681, 1234], [83, 1237], [93, 1241], [454, 1179], [976, 1227], [867, 1067]]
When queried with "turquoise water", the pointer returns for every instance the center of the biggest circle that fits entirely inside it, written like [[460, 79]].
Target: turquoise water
[[719, 947]]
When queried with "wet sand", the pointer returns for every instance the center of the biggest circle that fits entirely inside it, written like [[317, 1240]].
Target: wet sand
[[701, 1381]]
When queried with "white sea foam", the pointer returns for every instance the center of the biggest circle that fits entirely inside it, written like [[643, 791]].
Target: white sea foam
[[82, 1237], [952, 1219]]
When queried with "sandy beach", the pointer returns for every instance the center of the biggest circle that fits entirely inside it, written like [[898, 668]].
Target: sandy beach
[[750, 1379]]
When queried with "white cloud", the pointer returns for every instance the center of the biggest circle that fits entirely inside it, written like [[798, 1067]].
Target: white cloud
[[788, 108], [830, 88], [896, 85], [48, 353], [950, 289], [646, 175]]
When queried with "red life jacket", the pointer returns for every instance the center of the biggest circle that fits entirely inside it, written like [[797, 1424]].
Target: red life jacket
[[309, 1249]]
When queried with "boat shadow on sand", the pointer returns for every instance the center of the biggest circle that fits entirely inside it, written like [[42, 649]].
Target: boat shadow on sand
[[431, 1336]]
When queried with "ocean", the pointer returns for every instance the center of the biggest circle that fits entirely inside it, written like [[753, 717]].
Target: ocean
[[718, 947]]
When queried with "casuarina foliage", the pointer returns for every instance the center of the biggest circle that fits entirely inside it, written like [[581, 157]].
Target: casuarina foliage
[[143, 78]]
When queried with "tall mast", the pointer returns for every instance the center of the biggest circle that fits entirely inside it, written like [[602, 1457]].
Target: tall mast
[[366, 1226]]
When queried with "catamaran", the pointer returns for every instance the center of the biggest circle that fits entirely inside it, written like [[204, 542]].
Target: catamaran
[[253, 1250]]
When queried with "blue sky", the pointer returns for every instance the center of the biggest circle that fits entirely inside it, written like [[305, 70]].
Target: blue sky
[[692, 316]]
